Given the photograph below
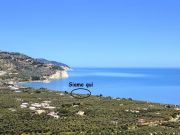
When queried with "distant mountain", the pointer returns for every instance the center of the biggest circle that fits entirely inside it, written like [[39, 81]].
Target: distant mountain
[[52, 62], [19, 67]]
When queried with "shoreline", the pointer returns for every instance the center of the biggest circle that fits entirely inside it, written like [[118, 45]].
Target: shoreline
[[56, 76], [105, 97]]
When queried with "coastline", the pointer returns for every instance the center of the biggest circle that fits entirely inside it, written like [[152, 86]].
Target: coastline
[[57, 75], [113, 92]]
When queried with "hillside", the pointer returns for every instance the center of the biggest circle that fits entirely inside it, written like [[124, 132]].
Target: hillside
[[41, 112], [29, 111], [20, 67], [52, 62]]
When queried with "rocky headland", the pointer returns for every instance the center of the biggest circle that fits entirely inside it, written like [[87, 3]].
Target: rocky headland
[[17, 67]]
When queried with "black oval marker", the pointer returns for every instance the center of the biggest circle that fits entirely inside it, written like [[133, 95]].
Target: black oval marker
[[78, 95]]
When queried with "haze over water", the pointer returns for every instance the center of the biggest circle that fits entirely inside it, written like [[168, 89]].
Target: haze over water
[[147, 84]]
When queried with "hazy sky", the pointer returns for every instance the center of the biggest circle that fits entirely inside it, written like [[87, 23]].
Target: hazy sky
[[96, 33]]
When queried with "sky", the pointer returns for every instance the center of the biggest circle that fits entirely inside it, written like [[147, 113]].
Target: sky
[[94, 33]]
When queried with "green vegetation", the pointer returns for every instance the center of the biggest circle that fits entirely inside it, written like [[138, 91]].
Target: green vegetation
[[94, 115], [27, 111], [19, 67]]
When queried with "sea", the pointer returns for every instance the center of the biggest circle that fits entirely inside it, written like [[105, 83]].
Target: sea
[[159, 85]]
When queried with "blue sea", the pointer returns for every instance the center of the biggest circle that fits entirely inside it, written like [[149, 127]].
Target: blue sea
[[146, 84]]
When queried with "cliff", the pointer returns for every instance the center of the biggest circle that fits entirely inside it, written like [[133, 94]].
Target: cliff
[[19, 67]]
